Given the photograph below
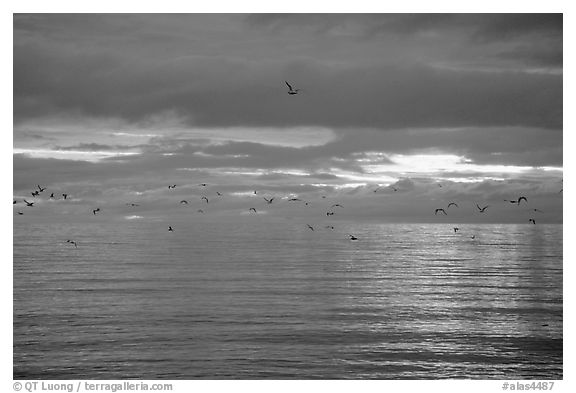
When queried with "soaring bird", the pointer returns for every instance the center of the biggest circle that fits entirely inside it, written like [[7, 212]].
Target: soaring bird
[[52, 195], [252, 209], [65, 196], [522, 198], [482, 209], [352, 237], [440, 211], [219, 194], [170, 229], [310, 227], [456, 229], [29, 204], [35, 193], [538, 210], [255, 192], [40, 188], [533, 221], [329, 213], [172, 186], [329, 227], [95, 210], [294, 199], [14, 202], [184, 202], [452, 204], [511, 201], [20, 213], [269, 201], [291, 90], [132, 204], [72, 242], [337, 205], [203, 184], [205, 199]]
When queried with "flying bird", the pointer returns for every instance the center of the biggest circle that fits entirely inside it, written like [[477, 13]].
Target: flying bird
[[72, 242], [522, 198], [35, 193], [205, 199], [20, 213], [329, 227], [217, 193], [172, 186], [329, 213], [352, 237], [337, 205], [440, 211], [40, 188], [170, 229], [452, 204], [252, 209], [255, 192], [203, 184], [507, 200], [482, 209], [95, 211], [29, 204], [538, 210], [291, 90], [52, 195], [269, 201], [533, 221], [132, 204], [65, 196], [456, 229], [294, 199], [184, 202], [310, 227], [14, 202]]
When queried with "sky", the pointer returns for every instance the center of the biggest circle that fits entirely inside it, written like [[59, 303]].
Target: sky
[[398, 115]]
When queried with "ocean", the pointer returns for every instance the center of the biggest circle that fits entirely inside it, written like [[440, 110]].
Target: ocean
[[276, 300]]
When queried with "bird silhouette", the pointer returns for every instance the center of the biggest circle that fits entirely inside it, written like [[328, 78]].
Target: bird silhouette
[[269, 201], [203, 184], [352, 237], [522, 198], [184, 202], [52, 195], [95, 211], [40, 188], [329, 227], [310, 227], [291, 90], [452, 204], [172, 186], [440, 211], [132, 204], [537, 210], [329, 213], [206, 199], [533, 221], [14, 202], [35, 193], [252, 209], [482, 209], [219, 194], [20, 213], [170, 229], [29, 204], [65, 196], [456, 229], [337, 205], [72, 242], [294, 199]]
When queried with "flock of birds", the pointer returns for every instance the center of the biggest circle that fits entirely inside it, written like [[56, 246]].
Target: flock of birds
[[269, 200]]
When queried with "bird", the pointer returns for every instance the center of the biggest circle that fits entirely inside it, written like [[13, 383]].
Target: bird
[[473, 237], [329, 213], [29, 204], [65, 196], [291, 90], [533, 221], [40, 188], [522, 198], [219, 194], [294, 199], [255, 192], [538, 210], [172, 186], [205, 199], [252, 209], [452, 204], [184, 202], [441, 211], [72, 242], [352, 237], [20, 213], [170, 229], [337, 205], [52, 195], [95, 210], [310, 227], [456, 229], [482, 209], [329, 227], [14, 202], [203, 184], [269, 201], [132, 204], [35, 193], [511, 201]]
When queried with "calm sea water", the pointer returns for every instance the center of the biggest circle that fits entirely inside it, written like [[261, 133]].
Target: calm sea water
[[278, 301]]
